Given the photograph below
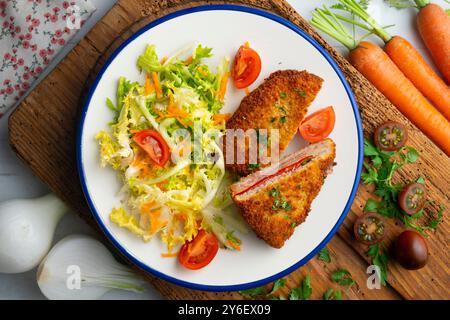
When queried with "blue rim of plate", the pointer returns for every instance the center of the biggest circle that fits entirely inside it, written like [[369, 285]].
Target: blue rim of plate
[[278, 275]]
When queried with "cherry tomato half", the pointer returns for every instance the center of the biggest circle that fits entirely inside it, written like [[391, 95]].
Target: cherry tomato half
[[199, 252], [318, 125], [369, 228], [412, 198], [411, 250], [246, 67], [154, 144], [390, 136]]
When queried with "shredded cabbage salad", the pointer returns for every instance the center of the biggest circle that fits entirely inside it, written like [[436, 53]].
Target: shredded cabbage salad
[[179, 94]]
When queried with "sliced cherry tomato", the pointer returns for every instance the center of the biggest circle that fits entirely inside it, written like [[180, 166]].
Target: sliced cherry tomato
[[369, 228], [154, 144], [391, 136], [318, 125], [246, 67], [199, 252], [412, 198]]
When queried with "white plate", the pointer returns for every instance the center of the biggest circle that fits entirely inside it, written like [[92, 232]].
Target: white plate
[[281, 46]]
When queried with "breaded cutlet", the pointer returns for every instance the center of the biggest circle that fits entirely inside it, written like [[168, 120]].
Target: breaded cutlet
[[275, 204], [280, 102]]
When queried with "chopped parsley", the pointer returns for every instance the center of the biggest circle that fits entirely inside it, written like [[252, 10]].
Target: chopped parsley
[[300, 92], [324, 255], [274, 193], [273, 119], [283, 119], [342, 277], [279, 203], [283, 95]]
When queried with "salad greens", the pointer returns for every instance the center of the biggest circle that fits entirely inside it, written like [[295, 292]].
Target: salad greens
[[179, 100]]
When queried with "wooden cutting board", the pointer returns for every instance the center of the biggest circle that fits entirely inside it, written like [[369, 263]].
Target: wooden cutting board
[[43, 130]]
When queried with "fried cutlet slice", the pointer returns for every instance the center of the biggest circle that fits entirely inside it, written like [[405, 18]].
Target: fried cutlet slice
[[281, 102], [274, 201]]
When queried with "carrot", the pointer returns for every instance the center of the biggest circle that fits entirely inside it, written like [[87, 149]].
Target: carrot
[[234, 245], [157, 85], [434, 28], [247, 91], [189, 60], [223, 87], [149, 87], [407, 59], [169, 255], [218, 118], [415, 68], [379, 69]]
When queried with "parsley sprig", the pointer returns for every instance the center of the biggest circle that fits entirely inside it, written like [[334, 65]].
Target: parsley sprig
[[303, 292], [379, 258], [379, 171]]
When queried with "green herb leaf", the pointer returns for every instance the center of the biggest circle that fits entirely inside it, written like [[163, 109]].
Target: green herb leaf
[[303, 292], [412, 155], [254, 292], [283, 119], [324, 255], [342, 277], [433, 224], [328, 294], [283, 95], [280, 283], [371, 206], [380, 258], [420, 180]]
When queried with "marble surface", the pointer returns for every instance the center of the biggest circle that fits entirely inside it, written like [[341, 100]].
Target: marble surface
[[17, 181]]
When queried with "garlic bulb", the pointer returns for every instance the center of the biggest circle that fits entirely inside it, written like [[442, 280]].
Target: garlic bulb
[[27, 227], [80, 267]]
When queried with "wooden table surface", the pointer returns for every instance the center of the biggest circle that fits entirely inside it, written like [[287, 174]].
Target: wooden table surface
[[50, 114]]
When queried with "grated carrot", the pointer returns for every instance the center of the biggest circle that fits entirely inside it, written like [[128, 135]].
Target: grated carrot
[[169, 255], [247, 91], [218, 118], [189, 60], [157, 85], [149, 87], [234, 245], [223, 86]]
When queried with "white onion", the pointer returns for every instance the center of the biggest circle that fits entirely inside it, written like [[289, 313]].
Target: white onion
[[80, 267], [27, 227]]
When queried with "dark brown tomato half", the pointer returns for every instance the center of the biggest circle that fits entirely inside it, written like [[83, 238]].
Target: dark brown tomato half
[[369, 228], [412, 198], [411, 250], [390, 136]]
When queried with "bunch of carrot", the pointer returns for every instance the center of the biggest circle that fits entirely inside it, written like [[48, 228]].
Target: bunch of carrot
[[399, 71]]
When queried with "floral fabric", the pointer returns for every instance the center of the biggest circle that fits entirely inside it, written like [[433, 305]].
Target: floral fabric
[[31, 33]]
